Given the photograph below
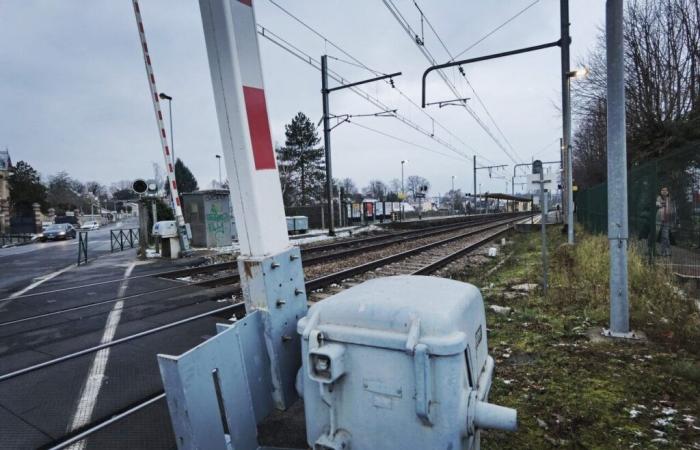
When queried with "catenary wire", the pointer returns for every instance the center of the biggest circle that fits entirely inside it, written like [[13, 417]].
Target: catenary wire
[[426, 53]]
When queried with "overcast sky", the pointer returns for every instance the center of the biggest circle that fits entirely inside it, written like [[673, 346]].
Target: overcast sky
[[74, 94]]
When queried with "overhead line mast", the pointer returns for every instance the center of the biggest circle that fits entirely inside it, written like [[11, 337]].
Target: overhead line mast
[[313, 62], [167, 156]]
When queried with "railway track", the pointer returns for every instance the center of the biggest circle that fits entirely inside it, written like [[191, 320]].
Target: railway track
[[382, 256], [225, 273]]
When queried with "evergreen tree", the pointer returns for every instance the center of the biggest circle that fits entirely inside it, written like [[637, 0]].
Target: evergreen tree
[[186, 182], [61, 194], [25, 188], [301, 163]]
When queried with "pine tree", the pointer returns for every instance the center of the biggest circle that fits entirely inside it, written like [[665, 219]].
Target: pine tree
[[301, 162], [186, 182], [25, 188]]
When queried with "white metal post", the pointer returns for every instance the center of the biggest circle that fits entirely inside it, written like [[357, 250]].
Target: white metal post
[[236, 73], [617, 169]]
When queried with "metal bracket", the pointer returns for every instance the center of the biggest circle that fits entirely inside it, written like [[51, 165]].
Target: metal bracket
[[424, 384], [274, 285]]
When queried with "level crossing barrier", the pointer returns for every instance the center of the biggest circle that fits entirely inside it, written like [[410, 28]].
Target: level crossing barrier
[[123, 238]]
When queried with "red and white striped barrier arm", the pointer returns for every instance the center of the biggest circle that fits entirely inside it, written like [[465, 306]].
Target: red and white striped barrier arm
[[236, 72], [169, 163]]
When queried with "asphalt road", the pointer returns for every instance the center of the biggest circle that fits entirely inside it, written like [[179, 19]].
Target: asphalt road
[[50, 308], [24, 264]]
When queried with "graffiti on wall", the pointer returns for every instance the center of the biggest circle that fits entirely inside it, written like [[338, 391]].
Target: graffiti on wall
[[217, 224]]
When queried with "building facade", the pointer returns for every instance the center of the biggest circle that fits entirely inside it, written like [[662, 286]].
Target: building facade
[[5, 166]]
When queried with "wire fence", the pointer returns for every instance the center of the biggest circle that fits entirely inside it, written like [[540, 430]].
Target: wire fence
[[664, 210]]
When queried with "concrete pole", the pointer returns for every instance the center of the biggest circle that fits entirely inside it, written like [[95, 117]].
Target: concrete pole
[[154, 211], [617, 169], [566, 115], [327, 143], [403, 191], [475, 176]]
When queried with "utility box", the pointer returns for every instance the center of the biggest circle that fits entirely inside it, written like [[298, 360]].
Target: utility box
[[165, 229], [398, 363], [297, 224], [210, 217]]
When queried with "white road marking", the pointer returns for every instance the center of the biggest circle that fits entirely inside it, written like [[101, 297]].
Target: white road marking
[[93, 382], [41, 281]]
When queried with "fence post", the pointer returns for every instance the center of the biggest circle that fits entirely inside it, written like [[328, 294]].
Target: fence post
[[82, 247]]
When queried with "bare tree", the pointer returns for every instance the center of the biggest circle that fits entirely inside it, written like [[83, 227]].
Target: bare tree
[[662, 83]]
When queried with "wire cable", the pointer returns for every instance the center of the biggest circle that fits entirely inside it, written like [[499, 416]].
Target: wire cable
[[461, 71], [391, 136], [487, 35], [305, 57], [363, 65], [409, 30]]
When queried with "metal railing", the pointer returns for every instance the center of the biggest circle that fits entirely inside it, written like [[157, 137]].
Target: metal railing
[[9, 239], [82, 247], [123, 238]]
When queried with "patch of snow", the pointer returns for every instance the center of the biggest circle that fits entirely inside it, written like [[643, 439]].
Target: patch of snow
[[668, 411], [662, 422]]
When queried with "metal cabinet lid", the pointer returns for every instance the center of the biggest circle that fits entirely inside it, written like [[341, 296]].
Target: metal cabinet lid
[[400, 311]]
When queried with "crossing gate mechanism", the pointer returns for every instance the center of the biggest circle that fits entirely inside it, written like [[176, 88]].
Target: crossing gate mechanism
[[394, 363]]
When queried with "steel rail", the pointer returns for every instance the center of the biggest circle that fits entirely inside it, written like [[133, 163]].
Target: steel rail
[[310, 285], [131, 337], [225, 265], [355, 270], [161, 394], [235, 278], [105, 423], [439, 264]]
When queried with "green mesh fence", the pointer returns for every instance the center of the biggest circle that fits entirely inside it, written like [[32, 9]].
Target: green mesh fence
[[665, 229]]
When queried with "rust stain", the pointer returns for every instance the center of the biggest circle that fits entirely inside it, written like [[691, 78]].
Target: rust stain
[[248, 268]]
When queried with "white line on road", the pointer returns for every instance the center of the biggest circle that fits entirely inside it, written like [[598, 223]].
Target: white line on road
[[5, 302], [41, 281], [93, 382]]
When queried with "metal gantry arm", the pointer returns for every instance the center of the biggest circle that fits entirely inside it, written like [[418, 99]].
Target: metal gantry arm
[[482, 58]]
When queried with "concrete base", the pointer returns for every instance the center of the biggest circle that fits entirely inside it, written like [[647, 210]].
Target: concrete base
[[597, 334]]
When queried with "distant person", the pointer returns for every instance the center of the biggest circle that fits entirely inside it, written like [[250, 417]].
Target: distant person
[[665, 216]]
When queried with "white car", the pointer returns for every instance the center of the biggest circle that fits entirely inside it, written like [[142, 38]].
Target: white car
[[90, 225]]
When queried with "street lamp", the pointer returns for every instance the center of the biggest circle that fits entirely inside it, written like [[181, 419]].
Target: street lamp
[[403, 190], [575, 74], [164, 96], [218, 159]]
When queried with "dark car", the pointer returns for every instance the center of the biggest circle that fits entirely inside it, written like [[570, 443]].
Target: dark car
[[58, 231]]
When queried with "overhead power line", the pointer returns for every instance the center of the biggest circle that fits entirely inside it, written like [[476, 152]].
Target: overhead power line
[[487, 35], [431, 59], [313, 62], [461, 71], [361, 64], [404, 141]]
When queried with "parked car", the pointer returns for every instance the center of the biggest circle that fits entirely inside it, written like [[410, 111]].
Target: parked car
[[58, 231], [90, 225]]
